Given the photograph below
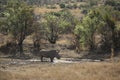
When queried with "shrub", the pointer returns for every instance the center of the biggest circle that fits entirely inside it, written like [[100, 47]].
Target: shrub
[[69, 6], [75, 6], [62, 5]]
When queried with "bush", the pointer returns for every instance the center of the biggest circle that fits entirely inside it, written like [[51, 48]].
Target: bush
[[110, 2], [84, 11], [114, 4], [62, 5], [69, 6], [75, 6], [83, 6]]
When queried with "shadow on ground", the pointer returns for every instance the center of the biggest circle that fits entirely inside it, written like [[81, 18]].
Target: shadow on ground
[[98, 55]]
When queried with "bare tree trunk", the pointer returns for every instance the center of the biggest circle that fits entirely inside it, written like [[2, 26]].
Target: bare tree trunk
[[20, 44], [77, 43], [112, 47], [36, 46], [112, 44], [112, 53]]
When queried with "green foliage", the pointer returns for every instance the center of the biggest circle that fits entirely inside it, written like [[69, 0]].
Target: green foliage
[[84, 8], [109, 29], [18, 20], [69, 6], [87, 29], [66, 20], [114, 3], [19, 17], [75, 6], [51, 28], [70, 20], [110, 2], [62, 5], [101, 21], [56, 23], [92, 2]]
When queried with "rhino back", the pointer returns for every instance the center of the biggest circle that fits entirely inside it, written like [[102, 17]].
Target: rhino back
[[51, 53]]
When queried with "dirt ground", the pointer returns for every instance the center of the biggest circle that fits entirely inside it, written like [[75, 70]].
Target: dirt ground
[[71, 66], [64, 69]]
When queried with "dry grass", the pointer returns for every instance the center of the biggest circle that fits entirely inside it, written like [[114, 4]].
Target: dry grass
[[76, 12], [38, 10], [43, 10], [28, 40], [69, 54], [81, 71]]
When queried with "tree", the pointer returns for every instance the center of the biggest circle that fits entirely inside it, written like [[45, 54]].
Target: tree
[[110, 29], [56, 23], [100, 20], [39, 33], [19, 19], [110, 24], [87, 28], [69, 21], [52, 28]]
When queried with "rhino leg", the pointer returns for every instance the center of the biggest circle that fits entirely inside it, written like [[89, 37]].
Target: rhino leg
[[41, 58], [51, 59]]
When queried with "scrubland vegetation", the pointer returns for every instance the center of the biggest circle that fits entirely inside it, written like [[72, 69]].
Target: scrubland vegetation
[[75, 27], [93, 24]]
